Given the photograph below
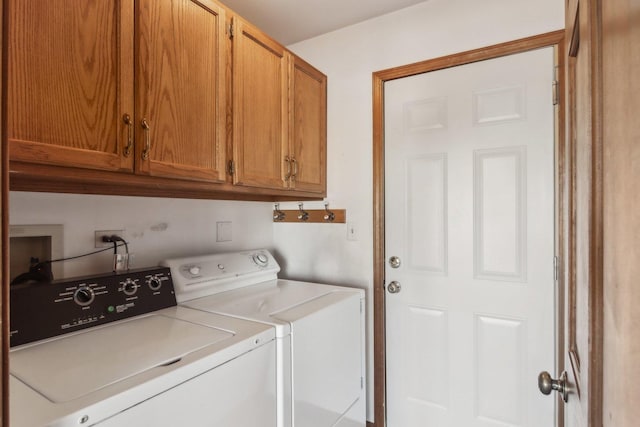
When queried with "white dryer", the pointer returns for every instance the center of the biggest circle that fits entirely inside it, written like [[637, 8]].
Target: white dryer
[[319, 331], [115, 350]]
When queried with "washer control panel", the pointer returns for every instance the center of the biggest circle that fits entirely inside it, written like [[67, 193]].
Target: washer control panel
[[40, 311]]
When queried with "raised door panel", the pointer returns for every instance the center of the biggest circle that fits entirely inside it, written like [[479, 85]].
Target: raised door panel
[[259, 108], [308, 127], [180, 92], [70, 82]]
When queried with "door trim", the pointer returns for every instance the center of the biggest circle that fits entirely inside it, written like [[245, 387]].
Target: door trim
[[555, 39]]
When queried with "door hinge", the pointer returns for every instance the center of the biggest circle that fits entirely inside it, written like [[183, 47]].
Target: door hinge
[[555, 94], [361, 382], [231, 30], [231, 168], [556, 267], [361, 306]]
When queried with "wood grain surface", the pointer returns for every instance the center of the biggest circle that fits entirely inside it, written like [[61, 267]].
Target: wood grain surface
[[260, 108], [180, 89], [66, 76], [308, 126]]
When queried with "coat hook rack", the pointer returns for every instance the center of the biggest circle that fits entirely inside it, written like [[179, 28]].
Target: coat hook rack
[[302, 215]]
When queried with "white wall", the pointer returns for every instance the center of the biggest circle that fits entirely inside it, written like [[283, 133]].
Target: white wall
[[155, 228], [348, 57]]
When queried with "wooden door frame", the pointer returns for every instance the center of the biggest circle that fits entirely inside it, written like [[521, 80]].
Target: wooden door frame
[[551, 39]]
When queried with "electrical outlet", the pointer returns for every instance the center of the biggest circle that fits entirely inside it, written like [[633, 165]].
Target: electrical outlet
[[98, 237]]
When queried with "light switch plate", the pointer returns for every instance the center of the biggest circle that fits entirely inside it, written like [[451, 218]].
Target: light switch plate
[[224, 231], [352, 231]]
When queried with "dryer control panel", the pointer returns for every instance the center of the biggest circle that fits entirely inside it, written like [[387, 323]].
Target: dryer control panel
[[40, 311], [205, 275]]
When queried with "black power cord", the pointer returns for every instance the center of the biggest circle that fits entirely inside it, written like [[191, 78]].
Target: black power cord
[[114, 239], [43, 265], [78, 256]]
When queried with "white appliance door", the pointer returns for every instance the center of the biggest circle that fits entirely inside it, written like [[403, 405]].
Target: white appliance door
[[238, 393], [327, 358], [469, 184]]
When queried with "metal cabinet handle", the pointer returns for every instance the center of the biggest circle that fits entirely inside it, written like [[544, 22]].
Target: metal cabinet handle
[[394, 287], [295, 168], [147, 146], [127, 121], [288, 175], [546, 384]]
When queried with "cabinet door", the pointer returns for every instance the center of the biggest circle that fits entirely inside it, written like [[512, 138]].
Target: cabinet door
[[308, 127], [259, 108], [180, 89], [70, 82]]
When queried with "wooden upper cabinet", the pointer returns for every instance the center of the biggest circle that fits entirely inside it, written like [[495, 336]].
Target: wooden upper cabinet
[[180, 89], [70, 80], [260, 108], [142, 94], [308, 127]]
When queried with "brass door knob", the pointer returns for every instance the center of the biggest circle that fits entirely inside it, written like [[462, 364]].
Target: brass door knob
[[546, 384]]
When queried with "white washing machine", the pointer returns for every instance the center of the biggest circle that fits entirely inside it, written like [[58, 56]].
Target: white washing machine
[[115, 350], [319, 331]]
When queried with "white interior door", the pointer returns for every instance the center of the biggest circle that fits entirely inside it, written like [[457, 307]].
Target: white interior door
[[469, 211]]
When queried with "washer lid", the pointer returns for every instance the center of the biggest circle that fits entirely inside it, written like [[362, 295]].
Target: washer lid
[[76, 365]]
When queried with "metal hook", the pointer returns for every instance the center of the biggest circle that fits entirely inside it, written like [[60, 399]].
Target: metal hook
[[278, 215], [303, 215], [329, 216]]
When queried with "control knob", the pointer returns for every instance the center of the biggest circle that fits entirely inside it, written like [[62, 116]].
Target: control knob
[[154, 283], [84, 296], [194, 270], [129, 287], [261, 259]]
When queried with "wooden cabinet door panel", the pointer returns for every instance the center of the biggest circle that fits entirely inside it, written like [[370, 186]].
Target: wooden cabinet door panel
[[180, 89], [308, 126], [259, 108], [70, 80]]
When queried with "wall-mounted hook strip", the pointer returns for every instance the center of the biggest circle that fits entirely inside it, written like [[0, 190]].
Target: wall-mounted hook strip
[[314, 216]]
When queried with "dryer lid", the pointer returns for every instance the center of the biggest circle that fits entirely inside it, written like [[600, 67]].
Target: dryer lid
[[73, 366]]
